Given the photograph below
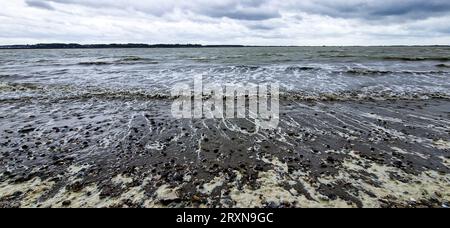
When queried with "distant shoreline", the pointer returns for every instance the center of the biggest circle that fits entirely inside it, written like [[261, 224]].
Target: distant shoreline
[[136, 46], [108, 46]]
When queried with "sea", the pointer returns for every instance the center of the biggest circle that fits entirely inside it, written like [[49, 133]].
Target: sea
[[306, 72]]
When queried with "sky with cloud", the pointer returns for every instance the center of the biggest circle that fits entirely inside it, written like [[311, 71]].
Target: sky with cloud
[[249, 22]]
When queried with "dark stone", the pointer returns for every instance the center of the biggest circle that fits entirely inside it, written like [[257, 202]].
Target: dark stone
[[26, 130], [398, 164], [66, 203]]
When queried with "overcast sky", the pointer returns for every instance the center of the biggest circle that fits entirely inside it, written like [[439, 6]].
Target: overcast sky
[[250, 22]]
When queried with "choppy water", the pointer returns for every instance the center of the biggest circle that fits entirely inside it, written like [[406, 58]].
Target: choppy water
[[304, 72]]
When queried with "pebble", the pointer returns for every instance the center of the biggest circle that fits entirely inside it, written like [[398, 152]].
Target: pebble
[[66, 203], [26, 130]]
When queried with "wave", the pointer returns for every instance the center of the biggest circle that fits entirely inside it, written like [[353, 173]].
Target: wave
[[270, 55], [135, 59], [352, 71], [413, 59], [391, 58], [201, 59], [359, 95], [248, 67], [43, 61], [63, 92], [443, 66], [95, 63], [299, 69], [55, 72], [118, 95], [234, 57], [52, 93], [132, 58], [5, 86], [237, 69], [9, 76], [124, 61], [284, 96], [341, 56], [368, 72]]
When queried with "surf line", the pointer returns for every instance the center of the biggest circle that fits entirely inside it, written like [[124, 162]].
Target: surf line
[[187, 218]]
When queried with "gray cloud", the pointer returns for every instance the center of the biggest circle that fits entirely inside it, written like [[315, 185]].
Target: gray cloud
[[262, 22], [374, 9], [39, 4], [262, 27], [268, 9], [250, 15], [253, 10]]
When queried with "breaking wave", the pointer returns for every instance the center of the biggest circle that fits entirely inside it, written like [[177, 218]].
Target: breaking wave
[[61, 92], [292, 69]]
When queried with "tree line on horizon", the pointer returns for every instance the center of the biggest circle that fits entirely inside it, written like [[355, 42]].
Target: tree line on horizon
[[129, 45]]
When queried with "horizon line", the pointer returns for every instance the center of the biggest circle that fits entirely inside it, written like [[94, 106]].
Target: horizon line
[[181, 45]]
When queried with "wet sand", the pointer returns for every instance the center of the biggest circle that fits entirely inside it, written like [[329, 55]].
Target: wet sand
[[109, 152]]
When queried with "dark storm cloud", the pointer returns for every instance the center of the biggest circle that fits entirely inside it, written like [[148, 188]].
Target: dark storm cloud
[[39, 4]]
